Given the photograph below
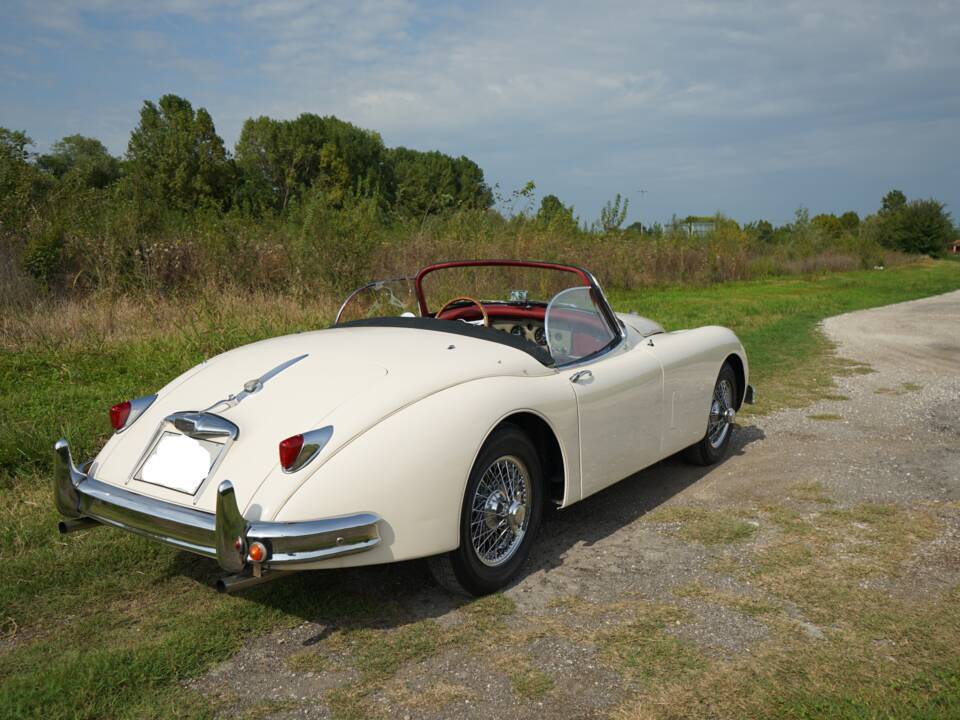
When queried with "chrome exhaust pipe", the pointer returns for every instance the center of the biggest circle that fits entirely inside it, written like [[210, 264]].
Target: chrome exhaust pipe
[[242, 581], [73, 524]]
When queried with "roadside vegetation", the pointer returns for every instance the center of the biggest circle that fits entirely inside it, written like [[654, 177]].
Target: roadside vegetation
[[314, 205]]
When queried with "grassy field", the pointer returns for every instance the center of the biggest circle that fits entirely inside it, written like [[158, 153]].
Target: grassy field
[[101, 624]]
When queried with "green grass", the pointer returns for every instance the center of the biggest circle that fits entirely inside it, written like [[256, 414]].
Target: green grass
[[776, 320], [708, 527], [642, 649], [529, 683], [102, 624]]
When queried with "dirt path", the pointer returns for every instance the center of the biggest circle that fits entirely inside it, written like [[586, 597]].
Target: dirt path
[[668, 570]]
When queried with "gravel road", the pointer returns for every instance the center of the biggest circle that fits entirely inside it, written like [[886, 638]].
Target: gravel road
[[888, 436]]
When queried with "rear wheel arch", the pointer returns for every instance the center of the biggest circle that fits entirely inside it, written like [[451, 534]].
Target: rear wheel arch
[[548, 448]]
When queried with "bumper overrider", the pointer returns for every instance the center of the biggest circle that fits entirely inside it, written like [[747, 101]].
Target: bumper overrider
[[225, 536]]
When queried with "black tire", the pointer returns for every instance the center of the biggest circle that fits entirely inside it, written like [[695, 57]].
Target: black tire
[[462, 570], [706, 452]]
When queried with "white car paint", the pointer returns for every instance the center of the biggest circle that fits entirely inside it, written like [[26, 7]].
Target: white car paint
[[411, 409]]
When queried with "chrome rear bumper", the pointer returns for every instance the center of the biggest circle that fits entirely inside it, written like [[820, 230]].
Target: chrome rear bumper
[[225, 535]]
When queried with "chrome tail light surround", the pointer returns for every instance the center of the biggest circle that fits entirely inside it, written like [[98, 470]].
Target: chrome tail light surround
[[313, 442], [138, 406]]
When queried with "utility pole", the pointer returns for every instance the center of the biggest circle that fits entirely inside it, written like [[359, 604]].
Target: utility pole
[[641, 192]]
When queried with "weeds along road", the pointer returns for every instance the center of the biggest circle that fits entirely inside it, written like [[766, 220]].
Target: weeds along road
[[817, 570]]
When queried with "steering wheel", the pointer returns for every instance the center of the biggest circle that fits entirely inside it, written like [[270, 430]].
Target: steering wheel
[[448, 303]]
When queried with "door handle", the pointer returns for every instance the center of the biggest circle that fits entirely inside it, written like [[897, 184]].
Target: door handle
[[582, 376]]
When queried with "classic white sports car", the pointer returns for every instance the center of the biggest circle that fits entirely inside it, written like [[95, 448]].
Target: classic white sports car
[[410, 428]]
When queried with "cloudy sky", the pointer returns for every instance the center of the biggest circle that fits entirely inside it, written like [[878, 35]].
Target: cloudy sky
[[749, 108]]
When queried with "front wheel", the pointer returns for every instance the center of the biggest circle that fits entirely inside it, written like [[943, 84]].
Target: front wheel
[[499, 518], [714, 445]]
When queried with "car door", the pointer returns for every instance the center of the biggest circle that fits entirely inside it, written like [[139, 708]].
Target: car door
[[620, 406], [618, 388]]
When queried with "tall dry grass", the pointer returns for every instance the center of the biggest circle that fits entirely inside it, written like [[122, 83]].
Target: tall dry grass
[[98, 268], [93, 320]]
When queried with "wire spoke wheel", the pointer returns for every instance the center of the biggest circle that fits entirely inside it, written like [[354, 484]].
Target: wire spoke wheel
[[721, 413], [500, 511]]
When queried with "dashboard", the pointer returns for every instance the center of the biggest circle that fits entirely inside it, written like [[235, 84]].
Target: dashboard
[[532, 330]]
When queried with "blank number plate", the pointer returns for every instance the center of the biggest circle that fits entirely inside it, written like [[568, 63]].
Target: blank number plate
[[179, 462]]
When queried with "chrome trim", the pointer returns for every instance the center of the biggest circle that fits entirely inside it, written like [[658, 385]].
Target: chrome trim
[[584, 376], [66, 478], [78, 496], [750, 396], [229, 530], [313, 442], [203, 425], [254, 386], [372, 284], [137, 407], [607, 310]]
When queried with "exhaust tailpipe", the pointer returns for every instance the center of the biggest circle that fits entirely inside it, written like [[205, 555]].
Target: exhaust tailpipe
[[74, 524], [242, 581]]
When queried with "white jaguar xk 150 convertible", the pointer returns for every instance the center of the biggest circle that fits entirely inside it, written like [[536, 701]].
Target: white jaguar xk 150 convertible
[[411, 428]]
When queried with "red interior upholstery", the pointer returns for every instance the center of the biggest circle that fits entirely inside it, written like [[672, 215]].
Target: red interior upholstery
[[589, 333], [496, 313]]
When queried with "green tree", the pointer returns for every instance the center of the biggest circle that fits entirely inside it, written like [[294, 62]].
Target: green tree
[[279, 160], [850, 222], [828, 225], [892, 202], [176, 157], [553, 214], [22, 185], [13, 146], [612, 214], [431, 182], [764, 231], [81, 160], [919, 226]]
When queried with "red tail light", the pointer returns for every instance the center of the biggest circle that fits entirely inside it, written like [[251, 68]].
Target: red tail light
[[290, 450], [119, 414]]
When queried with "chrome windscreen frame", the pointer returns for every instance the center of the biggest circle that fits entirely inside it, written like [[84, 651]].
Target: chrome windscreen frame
[[224, 535]]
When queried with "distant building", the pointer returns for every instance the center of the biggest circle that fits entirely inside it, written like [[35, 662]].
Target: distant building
[[697, 228], [955, 248]]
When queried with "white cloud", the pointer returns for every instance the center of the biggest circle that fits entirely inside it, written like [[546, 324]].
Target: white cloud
[[588, 99]]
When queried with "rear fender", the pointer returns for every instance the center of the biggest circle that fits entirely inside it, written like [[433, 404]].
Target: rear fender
[[411, 468]]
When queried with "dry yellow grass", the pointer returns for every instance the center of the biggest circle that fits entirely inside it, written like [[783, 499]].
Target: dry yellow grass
[[94, 320]]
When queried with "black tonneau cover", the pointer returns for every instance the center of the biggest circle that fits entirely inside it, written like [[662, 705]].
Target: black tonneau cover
[[456, 327]]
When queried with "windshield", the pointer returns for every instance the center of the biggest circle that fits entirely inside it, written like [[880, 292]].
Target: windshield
[[381, 298], [522, 285], [575, 327], [556, 313]]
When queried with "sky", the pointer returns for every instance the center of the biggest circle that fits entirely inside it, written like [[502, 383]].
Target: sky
[[747, 108]]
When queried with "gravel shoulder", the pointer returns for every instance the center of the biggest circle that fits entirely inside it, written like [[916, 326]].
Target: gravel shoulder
[[666, 572]]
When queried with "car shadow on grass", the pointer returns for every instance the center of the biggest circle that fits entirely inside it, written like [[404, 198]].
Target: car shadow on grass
[[396, 594]]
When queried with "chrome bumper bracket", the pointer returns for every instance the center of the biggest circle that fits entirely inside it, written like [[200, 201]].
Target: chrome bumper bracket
[[224, 535]]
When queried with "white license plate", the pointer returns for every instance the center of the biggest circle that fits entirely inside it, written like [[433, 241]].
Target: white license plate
[[179, 462]]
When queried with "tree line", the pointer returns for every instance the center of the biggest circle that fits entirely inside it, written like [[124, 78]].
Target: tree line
[[316, 202], [175, 158]]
